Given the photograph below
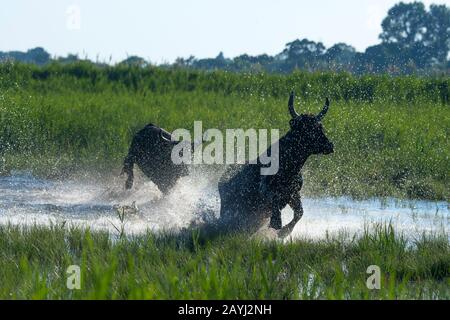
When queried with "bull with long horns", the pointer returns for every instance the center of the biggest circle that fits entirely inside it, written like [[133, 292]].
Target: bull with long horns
[[249, 200]]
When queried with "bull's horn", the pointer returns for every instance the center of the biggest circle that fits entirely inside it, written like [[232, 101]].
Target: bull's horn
[[292, 111], [324, 110], [161, 135]]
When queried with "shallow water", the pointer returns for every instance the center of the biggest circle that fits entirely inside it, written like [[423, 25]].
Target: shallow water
[[26, 200]]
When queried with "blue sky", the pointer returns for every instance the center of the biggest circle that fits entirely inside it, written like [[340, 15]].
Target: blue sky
[[161, 30]]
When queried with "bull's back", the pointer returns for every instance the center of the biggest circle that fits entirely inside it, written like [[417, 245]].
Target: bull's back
[[153, 155]]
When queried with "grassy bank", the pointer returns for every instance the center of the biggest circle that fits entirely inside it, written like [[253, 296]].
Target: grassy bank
[[199, 265], [390, 134]]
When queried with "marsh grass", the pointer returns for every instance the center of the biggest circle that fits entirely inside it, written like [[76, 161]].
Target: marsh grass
[[390, 134], [204, 264]]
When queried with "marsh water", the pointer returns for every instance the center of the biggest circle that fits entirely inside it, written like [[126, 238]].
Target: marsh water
[[27, 200]]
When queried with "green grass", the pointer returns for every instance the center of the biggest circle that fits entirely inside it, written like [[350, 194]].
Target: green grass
[[390, 134], [199, 264]]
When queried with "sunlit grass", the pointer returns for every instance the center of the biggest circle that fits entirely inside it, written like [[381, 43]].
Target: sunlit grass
[[197, 264], [390, 134]]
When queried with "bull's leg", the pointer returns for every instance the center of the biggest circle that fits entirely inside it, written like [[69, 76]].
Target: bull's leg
[[269, 195], [275, 219], [296, 205], [165, 187], [128, 169], [129, 182], [129, 162]]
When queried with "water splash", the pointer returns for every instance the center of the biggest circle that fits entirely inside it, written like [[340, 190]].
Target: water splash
[[26, 200]]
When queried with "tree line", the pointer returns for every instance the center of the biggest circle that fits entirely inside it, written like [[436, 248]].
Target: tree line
[[414, 40]]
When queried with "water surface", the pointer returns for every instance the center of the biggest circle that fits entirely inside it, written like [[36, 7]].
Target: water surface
[[26, 200]]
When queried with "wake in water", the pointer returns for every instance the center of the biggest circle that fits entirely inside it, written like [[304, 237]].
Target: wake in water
[[26, 200]]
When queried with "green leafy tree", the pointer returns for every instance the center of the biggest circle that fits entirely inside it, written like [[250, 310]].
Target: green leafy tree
[[340, 56], [437, 37], [303, 54], [405, 24], [421, 37], [134, 61]]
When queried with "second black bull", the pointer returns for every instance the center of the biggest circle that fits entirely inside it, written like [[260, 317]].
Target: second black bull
[[151, 150]]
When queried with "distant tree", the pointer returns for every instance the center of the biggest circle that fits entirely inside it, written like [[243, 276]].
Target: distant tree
[[437, 37], [219, 62], [185, 63], [405, 24], [261, 59], [249, 63], [305, 47], [134, 61], [70, 58], [422, 36], [385, 58], [340, 56], [37, 55], [304, 54]]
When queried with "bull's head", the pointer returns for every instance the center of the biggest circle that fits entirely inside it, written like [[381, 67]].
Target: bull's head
[[309, 129]]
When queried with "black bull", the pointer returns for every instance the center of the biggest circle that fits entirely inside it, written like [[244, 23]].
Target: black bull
[[151, 150], [249, 199]]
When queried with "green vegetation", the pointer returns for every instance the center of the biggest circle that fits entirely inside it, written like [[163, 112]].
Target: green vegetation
[[206, 265], [390, 134]]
